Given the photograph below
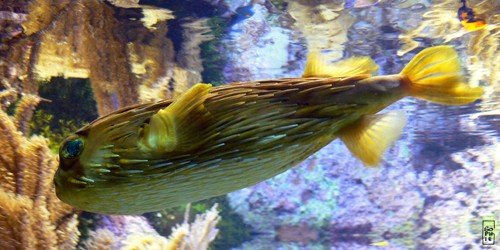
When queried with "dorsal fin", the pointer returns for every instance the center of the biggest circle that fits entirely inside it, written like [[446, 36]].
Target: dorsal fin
[[317, 66], [181, 126], [371, 135]]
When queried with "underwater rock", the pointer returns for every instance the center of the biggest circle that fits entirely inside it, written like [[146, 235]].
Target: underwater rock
[[259, 48], [301, 234], [15, 48]]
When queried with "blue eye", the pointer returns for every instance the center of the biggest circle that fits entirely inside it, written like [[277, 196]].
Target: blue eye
[[72, 148]]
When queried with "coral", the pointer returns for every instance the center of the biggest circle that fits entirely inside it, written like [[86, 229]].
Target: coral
[[154, 16], [125, 232], [145, 242], [232, 230], [134, 232], [102, 239], [201, 231], [89, 49], [125, 3], [31, 216], [15, 48], [90, 39], [41, 14], [24, 112]]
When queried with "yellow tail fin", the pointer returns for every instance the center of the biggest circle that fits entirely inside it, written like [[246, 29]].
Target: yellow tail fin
[[434, 75]]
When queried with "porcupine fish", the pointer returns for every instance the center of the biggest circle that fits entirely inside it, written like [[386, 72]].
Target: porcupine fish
[[213, 140]]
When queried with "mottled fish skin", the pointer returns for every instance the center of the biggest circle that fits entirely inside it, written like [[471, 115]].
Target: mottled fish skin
[[214, 140]]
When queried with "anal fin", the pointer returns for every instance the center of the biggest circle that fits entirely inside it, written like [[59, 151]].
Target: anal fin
[[371, 135]]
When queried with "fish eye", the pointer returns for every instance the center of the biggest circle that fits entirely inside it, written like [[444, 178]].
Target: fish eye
[[72, 148]]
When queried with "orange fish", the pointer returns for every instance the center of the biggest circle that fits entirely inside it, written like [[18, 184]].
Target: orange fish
[[468, 18]]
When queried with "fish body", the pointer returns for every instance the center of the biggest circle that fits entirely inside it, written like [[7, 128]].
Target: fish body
[[214, 140]]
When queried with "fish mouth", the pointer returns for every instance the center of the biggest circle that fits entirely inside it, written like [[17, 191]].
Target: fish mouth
[[66, 180], [69, 188]]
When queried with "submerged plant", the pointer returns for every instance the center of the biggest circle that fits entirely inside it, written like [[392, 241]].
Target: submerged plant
[[69, 104], [213, 60]]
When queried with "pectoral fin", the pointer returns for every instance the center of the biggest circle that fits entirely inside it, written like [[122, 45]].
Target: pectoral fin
[[181, 126], [369, 137]]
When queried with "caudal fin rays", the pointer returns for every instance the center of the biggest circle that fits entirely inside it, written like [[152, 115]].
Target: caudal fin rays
[[434, 74]]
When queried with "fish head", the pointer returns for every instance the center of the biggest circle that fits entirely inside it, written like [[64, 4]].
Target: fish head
[[94, 162], [83, 168], [70, 180], [69, 156]]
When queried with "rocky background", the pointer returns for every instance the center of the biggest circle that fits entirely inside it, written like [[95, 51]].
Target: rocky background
[[440, 178]]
